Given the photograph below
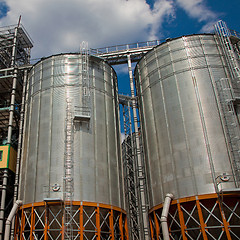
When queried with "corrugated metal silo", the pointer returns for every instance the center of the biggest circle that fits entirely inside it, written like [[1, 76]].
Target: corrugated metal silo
[[55, 90], [185, 138]]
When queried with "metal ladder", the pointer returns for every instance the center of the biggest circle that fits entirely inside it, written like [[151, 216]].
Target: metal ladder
[[68, 175], [224, 36], [227, 94], [226, 97], [85, 79]]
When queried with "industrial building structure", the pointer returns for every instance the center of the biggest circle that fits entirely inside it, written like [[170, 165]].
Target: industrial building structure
[[176, 175]]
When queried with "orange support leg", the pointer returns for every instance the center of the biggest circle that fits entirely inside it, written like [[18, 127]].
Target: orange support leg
[[151, 228], [182, 223], [32, 223], [81, 222], [98, 224], [203, 225], [46, 223], [156, 225], [23, 225], [126, 229], [225, 223], [111, 224], [121, 226]]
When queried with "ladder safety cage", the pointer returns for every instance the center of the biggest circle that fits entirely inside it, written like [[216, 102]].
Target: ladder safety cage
[[68, 192], [83, 113], [228, 89], [224, 35]]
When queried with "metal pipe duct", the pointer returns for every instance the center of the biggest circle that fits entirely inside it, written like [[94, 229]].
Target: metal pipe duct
[[10, 218]]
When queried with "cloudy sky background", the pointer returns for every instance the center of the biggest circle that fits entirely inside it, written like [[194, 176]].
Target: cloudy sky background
[[58, 26]]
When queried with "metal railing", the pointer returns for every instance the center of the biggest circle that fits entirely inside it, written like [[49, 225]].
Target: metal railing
[[124, 47]]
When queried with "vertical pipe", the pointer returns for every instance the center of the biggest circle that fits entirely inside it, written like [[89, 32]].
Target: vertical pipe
[[144, 229], [10, 218], [3, 199], [16, 183], [14, 84], [20, 137], [164, 216], [11, 111]]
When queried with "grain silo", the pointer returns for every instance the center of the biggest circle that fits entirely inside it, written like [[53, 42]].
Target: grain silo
[[188, 97], [71, 177]]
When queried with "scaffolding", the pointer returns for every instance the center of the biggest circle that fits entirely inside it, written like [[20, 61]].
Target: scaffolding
[[15, 46], [228, 91]]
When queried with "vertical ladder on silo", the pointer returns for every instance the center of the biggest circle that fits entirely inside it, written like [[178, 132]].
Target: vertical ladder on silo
[[85, 109], [68, 175], [224, 34], [227, 95]]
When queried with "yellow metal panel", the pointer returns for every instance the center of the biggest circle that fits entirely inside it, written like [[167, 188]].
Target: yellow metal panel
[[9, 156], [12, 159], [4, 161]]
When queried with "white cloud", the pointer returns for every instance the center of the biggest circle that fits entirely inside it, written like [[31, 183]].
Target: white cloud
[[199, 10], [122, 137], [60, 26]]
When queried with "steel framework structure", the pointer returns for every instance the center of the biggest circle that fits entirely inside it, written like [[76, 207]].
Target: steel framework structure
[[129, 167], [15, 46], [200, 217], [135, 172], [44, 220]]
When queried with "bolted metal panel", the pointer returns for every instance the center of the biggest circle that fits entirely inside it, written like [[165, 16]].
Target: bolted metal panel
[[185, 145], [97, 171]]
